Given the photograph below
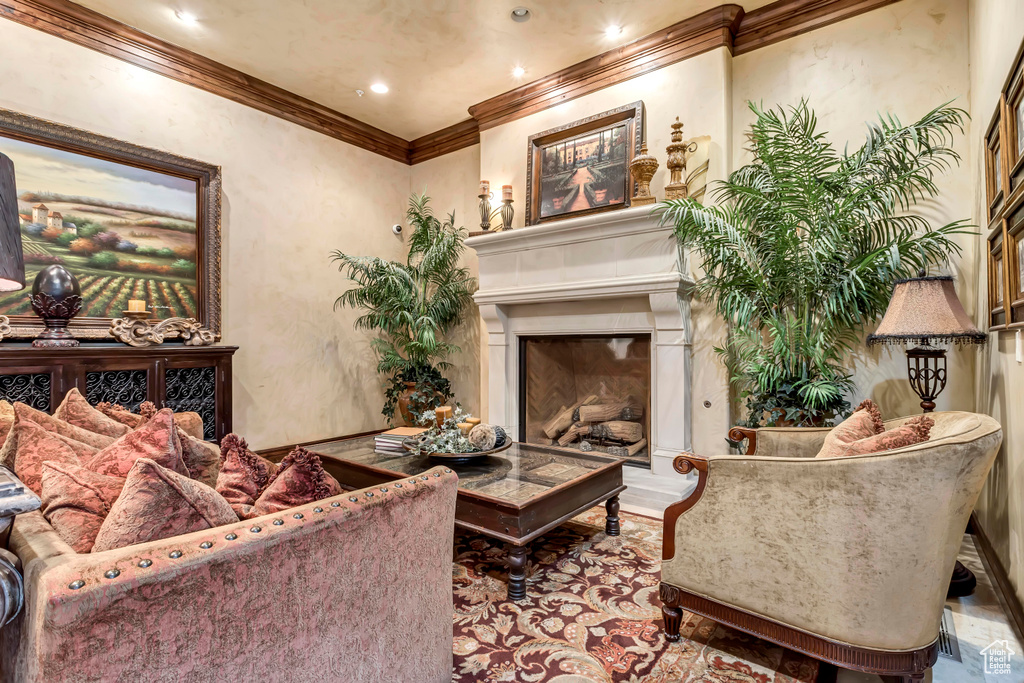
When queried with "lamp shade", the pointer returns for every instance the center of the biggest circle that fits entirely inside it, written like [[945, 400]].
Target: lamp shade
[[925, 309], [12, 260]]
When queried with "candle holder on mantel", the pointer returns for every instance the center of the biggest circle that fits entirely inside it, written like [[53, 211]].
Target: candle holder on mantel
[[135, 328], [505, 211]]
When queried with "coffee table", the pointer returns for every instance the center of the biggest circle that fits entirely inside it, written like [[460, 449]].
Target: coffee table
[[514, 496]]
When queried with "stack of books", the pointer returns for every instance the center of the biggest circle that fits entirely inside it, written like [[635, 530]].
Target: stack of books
[[390, 442]]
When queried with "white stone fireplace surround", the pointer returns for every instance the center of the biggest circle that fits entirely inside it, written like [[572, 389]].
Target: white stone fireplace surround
[[614, 272]]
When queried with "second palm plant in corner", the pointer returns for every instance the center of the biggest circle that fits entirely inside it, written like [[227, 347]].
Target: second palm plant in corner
[[412, 305], [801, 251]]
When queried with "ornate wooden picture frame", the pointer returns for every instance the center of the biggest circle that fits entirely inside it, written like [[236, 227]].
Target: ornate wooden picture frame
[[583, 167], [170, 259]]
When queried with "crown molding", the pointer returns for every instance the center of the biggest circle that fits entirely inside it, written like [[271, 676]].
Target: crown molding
[[789, 18], [98, 32], [687, 38], [724, 26]]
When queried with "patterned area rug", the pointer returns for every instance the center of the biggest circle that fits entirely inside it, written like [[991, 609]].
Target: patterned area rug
[[592, 613]]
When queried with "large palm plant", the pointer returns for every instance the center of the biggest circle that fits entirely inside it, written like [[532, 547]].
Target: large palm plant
[[412, 305], [801, 251]]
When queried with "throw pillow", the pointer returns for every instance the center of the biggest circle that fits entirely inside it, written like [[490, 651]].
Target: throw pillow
[[301, 479], [52, 424], [202, 459], [190, 423], [74, 409], [29, 446], [864, 422], [159, 503], [121, 414], [915, 430], [10, 447], [156, 440], [243, 475], [76, 500], [6, 420]]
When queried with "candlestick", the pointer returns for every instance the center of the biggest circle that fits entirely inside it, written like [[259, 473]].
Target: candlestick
[[507, 212], [485, 209]]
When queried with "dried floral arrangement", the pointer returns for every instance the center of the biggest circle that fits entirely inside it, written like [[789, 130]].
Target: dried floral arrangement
[[452, 437]]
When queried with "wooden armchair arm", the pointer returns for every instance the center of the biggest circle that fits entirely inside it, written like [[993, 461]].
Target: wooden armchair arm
[[683, 464], [741, 433]]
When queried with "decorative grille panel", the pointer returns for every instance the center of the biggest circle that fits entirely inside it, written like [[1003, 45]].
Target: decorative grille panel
[[31, 388], [194, 389], [123, 387]]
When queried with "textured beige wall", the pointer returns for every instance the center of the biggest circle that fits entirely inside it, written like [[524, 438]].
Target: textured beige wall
[[695, 90], [290, 196], [997, 29], [905, 60], [449, 181]]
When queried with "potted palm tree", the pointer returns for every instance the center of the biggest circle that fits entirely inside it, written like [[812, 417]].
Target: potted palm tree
[[412, 306], [802, 248]]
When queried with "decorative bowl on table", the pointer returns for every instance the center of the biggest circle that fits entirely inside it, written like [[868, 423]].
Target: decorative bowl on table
[[454, 436]]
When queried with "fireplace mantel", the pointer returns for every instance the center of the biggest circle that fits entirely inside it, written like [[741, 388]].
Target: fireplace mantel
[[615, 272]]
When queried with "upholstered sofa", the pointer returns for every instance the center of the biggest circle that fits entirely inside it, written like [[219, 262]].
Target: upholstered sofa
[[846, 559], [356, 588]]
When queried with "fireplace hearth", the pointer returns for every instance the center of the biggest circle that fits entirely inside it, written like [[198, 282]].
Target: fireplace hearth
[[587, 393]]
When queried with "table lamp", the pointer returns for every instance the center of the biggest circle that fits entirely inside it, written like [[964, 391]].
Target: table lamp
[[924, 310]]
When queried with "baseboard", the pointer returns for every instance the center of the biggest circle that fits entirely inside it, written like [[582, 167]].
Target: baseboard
[[278, 452], [1001, 579]]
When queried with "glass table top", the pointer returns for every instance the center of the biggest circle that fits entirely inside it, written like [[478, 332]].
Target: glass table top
[[516, 475]]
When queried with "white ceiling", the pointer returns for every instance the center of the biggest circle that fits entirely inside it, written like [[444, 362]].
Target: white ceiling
[[438, 57]]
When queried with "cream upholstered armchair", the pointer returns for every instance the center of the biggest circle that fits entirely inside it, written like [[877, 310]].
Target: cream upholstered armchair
[[844, 559]]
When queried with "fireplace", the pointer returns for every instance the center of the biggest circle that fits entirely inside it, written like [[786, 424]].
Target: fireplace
[[591, 306], [587, 392]]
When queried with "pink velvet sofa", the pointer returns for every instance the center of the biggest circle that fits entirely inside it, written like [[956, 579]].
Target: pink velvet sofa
[[351, 588]]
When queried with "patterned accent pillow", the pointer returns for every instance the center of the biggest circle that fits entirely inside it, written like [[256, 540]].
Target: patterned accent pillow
[[159, 503], [156, 440], [10, 447], [243, 475], [202, 459], [29, 446], [6, 420], [190, 423], [76, 500], [913, 431], [864, 422], [121, 414], [75, 409], [301, 479], [52, 424]]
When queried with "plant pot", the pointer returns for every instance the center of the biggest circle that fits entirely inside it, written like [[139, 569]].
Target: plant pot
[[403, 404]]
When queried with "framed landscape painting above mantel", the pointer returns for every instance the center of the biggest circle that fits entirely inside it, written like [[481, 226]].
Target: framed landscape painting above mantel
[[129, 222], [583, 167]]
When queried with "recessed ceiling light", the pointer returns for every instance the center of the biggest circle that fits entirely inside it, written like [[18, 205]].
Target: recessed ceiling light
[[379, 88], [518, 72], [186, 17], [520, 14], [613, 31]]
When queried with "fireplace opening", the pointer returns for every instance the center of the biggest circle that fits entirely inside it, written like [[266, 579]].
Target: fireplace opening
[[587, 392]]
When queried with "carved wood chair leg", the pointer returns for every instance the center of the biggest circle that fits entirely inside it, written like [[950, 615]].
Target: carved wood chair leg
[[673, 619]]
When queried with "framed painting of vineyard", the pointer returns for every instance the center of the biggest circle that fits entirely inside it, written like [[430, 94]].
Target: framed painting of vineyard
[[128, 221]]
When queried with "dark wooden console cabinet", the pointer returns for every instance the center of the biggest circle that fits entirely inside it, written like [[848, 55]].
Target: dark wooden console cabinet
[[169, 375]]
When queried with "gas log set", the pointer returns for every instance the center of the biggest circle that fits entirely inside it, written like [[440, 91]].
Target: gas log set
[[614, 427]]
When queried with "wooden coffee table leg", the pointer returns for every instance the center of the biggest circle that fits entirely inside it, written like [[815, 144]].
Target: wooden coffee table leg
[[611, 522], [516, 572]]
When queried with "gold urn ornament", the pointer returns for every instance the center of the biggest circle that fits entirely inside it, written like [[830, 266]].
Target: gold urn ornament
[[676, 163], [642, 169]]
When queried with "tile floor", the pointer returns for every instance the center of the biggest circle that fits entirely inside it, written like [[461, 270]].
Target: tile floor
[[979, 620]]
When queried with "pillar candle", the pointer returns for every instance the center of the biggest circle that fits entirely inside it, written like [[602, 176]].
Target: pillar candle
[[485, 187], [474, 421], [136, 305], [465, 428], [506, 192], [442, 413]]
